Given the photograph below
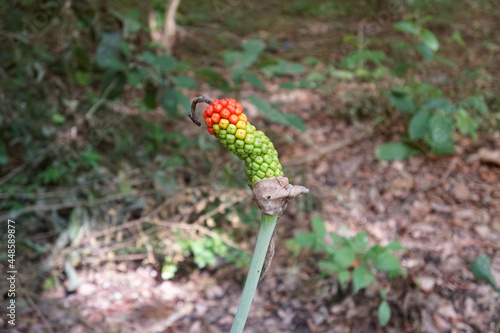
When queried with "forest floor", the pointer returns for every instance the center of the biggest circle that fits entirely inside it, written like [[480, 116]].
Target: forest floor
[[444, 210]]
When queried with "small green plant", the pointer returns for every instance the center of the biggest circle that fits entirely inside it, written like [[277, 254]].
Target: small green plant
[[351, 259], [433, 120], [481, 270]]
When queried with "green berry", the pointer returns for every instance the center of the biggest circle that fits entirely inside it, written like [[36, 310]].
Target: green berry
[[257, 151], [249, 139], [230, 138], [248, 149], [264, 166], [260, 174], [259, 160], [232, 128], [239, 144], [222, 133], [269, 173]]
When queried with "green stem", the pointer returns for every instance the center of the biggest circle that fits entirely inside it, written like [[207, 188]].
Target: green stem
[[265, 233]]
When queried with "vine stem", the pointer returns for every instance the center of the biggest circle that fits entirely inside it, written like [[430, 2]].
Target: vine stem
[[265, 234]]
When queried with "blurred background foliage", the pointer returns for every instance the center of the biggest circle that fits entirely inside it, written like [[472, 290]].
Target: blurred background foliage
[[94, 134]]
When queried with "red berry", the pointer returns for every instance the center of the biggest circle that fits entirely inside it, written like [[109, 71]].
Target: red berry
[[205, 114], [238, 110], [211, 131], [223, 102], [209, 111], [233, 119], [217, 108], [209, 122], [230, 107], [225, 113]]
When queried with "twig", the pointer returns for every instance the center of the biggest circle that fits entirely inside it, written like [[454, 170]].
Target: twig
[[39, 208], [37, 309], [220, 208], [199, 228], [328, 149], [101, 100], [201, 99], [12, 173]]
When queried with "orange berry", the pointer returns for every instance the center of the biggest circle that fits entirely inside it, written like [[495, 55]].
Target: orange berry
[[225, 113], [209, 122], [233, 119], [238, 110], [243, 117], [216, 118]]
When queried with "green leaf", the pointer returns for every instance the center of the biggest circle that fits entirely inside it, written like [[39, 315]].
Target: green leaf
[[270, 113], [168, 271], [150, 98], [108, 49], [183, 101], [466, 123], [328, 266], [251, 51], [395, 246], [82, 78], [114, 83], [306, 239], [429, 39], [425, 51], [361, 277], [477, 102], [482, 271], [75, 223], [344, 257], [401, 68], [58, 118], [402, 100], [169, 101], [254, 80], [386, 261], [295, 121], [344, 276], [298, 84], [164, 63], [384, 313], [394, 151], [392, 274], [442, 105], [283, 68], [360, 241], [318, 226], [4, 157], [445, 61], [441, 134], [214, 79], [419, 124], [351, 61], [185, 82], [408, 27]]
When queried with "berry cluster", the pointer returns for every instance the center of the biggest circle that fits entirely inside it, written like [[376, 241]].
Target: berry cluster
[[225, 120]]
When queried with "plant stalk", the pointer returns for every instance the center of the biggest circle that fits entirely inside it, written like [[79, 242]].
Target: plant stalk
[[265, 233]]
